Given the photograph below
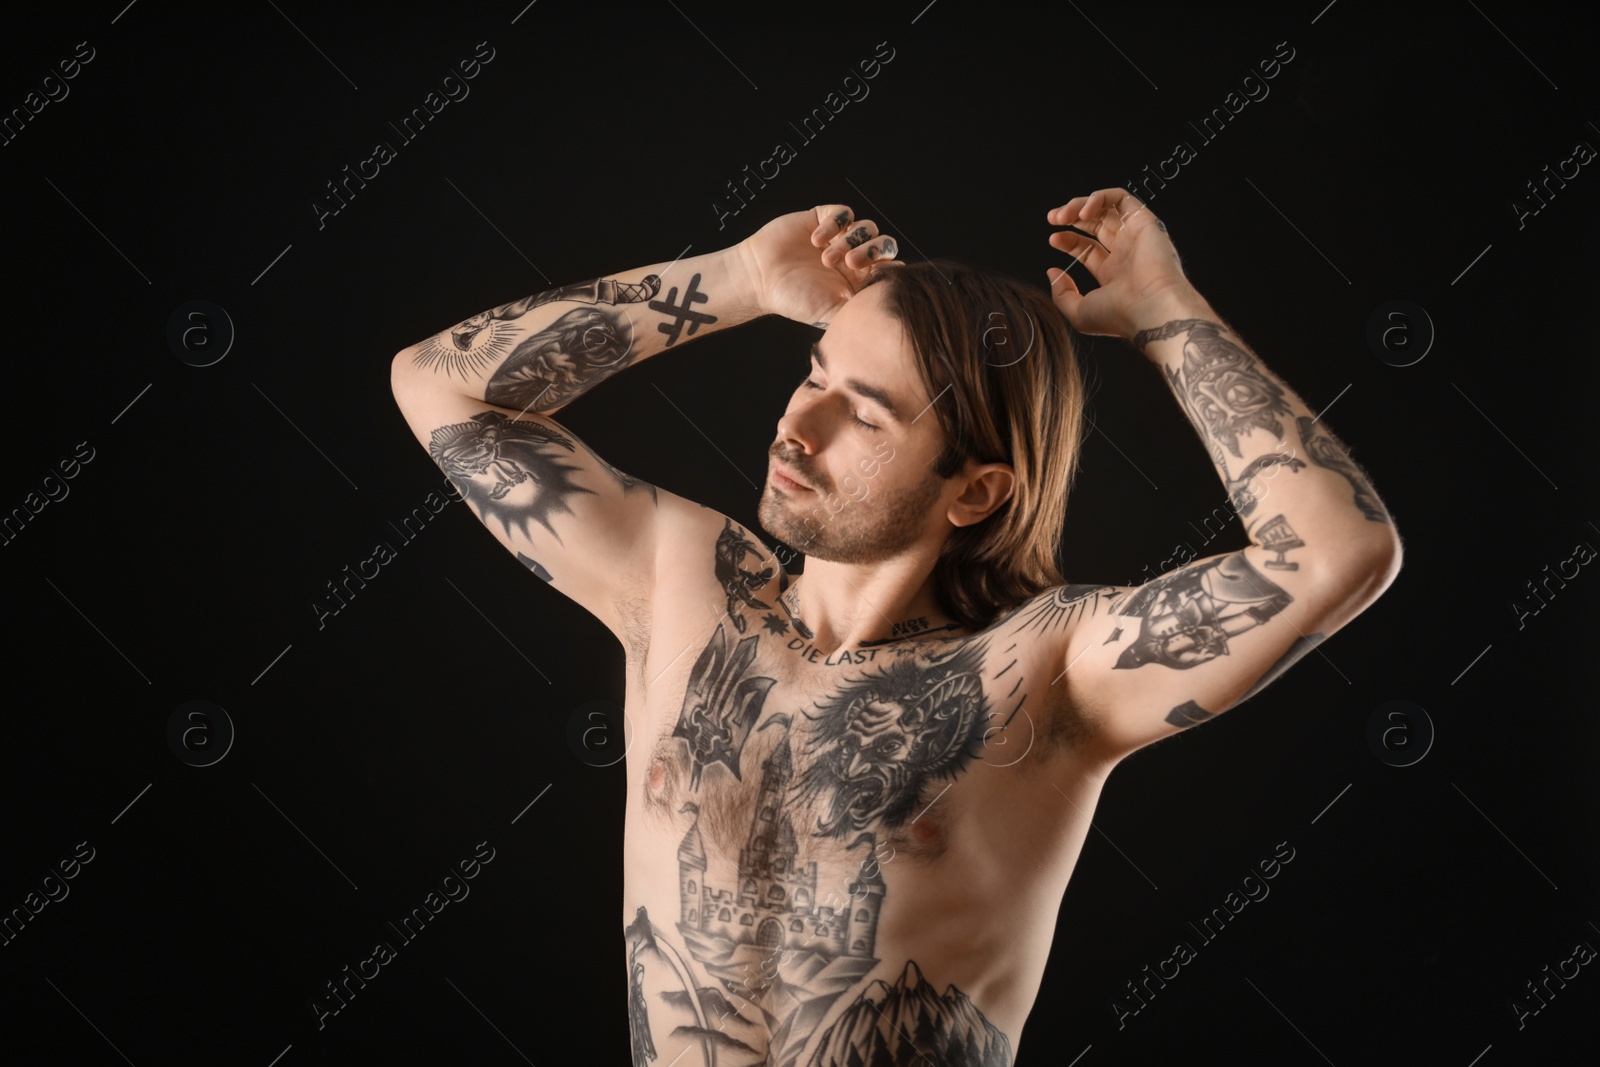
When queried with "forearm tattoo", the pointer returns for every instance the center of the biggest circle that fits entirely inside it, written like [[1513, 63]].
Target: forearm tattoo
[[1167, 330], [485, 338], [567, 357], [1325, 452], [1276, 535], [684, 313], [1227, 393], [1240, 498], [1226, 390]]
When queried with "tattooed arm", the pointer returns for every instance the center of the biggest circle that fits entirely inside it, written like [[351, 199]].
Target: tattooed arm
[[479, 395], [538, 353], [1155, 659]]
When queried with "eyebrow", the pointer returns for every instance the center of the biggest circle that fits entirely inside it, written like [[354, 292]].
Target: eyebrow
[[871, 392]]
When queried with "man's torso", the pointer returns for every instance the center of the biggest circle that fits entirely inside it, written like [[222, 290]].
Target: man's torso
[[854, 853]]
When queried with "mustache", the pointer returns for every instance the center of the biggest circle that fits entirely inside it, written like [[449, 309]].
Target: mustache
[[805, 473]]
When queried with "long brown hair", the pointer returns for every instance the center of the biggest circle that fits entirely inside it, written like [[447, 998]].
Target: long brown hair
[[1015, 395]]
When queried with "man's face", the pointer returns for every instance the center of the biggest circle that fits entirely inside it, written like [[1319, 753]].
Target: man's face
[[872, 491]]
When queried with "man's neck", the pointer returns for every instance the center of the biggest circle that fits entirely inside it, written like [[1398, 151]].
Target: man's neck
[[839, 606]]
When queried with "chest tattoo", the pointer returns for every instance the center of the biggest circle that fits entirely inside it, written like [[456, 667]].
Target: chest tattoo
[[779, 886]]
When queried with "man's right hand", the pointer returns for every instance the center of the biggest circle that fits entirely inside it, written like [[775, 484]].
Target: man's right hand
[[1127, 250], [807, 264]]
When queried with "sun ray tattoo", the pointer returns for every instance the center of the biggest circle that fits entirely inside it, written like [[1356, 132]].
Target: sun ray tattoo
[[1062, 606], [508, 469], [469, 347]]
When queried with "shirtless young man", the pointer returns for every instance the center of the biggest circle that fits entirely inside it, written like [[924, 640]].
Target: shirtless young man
[[855, 796]]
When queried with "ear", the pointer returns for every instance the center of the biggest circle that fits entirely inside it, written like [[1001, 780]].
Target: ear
[[988, 485]]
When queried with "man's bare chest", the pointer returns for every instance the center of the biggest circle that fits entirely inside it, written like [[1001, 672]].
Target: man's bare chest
[[739, 710]]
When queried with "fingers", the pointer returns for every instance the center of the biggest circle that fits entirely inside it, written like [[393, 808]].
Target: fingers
[[1085, 250], [860, 246], [1115, 202], [1102, 213], [1064, 293], [858, 234], [879, 251], [849, 242], [831, 220]]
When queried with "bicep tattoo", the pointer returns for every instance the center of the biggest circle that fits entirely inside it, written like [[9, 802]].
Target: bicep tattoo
[[1188, 714], [1062, 606], [508, 470], [1297, 651], [1186, 618]]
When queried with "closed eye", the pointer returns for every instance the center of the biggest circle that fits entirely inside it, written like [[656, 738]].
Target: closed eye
[[808, 383]]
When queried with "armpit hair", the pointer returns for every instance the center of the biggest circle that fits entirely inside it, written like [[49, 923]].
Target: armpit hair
[[634, 610]]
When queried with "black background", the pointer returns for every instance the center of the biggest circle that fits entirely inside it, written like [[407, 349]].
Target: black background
[[374, 753]]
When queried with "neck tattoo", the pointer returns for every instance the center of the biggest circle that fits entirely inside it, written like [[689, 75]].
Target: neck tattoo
[[789, 601], [923, 624]]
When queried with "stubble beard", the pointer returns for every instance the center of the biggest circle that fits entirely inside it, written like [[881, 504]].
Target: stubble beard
[[876, 527]]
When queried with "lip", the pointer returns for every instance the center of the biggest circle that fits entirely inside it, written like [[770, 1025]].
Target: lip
[[783, 480]]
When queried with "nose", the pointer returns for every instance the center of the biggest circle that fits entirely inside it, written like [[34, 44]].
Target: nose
[[799, 429]]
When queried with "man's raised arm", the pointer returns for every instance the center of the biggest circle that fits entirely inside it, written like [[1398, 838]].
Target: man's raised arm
[[537, 353], [479, 395], [1193, 643]]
